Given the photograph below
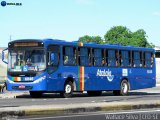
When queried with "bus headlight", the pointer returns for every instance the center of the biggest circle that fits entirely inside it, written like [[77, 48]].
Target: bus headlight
[[10, 81]]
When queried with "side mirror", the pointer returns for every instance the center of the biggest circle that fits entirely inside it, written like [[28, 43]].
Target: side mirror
[[3, 56]]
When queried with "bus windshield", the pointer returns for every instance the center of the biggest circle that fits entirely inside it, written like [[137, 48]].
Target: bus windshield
[[26, 60]]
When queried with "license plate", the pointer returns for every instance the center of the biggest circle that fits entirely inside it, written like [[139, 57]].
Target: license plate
[[22, 87]]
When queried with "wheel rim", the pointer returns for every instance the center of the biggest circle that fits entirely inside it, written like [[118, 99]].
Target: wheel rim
[[124, 87], [68, 88]]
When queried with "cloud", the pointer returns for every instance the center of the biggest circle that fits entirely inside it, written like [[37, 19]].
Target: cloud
[[156, 13]]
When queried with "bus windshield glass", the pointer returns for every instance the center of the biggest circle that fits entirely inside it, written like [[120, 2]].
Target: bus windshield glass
[[26, 60]]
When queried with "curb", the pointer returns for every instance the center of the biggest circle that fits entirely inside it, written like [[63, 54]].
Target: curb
[[88, 109], [72, 110]]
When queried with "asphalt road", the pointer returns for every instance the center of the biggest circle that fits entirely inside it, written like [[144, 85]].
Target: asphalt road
[[152, 114], [79, 98]]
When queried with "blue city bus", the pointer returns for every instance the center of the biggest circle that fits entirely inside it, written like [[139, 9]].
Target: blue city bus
[[51, 65]]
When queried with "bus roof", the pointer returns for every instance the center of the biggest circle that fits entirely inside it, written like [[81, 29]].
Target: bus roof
[[75, 43]]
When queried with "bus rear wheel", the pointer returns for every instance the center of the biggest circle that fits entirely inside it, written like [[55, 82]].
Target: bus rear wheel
[[68, 90], [94, 93], [35, 94], [123, 90]]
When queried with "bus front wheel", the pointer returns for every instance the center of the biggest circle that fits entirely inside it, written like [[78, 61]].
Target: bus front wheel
[[35, 94], [123, 90], [68, 90]]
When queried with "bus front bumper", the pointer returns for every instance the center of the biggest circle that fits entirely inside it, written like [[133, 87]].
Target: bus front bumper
[[37, 85]]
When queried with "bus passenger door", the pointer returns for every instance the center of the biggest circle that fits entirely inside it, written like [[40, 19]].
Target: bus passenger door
[[53, 59]]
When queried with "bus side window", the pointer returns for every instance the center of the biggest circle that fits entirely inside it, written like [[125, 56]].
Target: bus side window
[[69, 55], [124, 58], [136, 59], [147, 59], [97, 57], [111, 58], [84, 56]]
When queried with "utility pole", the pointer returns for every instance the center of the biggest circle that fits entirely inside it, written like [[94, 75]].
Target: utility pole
[[10, 38]]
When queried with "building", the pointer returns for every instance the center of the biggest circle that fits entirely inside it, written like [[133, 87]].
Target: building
[[157, 48], [3, 67]]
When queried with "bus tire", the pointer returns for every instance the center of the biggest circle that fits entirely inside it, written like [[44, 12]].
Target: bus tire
[[123, 90], [94, 93], [68, 90], [35, 94]]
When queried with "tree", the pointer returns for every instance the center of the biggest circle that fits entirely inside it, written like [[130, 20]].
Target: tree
[[139, 39], [87, 39], [122, 35], [118, 35]]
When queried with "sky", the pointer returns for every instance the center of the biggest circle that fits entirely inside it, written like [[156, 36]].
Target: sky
[[70, 19]]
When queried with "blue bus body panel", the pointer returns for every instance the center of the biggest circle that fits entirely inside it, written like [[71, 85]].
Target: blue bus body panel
[[96, 80], [92, 81]]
